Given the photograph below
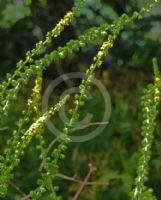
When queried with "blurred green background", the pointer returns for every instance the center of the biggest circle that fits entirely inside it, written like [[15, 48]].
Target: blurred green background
[[125, 73]]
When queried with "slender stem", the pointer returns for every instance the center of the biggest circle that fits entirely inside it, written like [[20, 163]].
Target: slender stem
[[90, 124], [82, 186], [3, 129], [17, 189], [27, 197], [72, 179]]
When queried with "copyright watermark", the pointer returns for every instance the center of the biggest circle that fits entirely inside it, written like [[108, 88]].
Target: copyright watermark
[[87, 120]]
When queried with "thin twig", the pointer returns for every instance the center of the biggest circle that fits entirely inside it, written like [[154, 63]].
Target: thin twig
[[72, 179], [82, 186], [3, 129], [27, 197], [90, 124], [17, 189], [68, 178]]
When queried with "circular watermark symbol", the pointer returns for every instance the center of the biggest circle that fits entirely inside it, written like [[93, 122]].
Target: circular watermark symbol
[[87, 120]]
